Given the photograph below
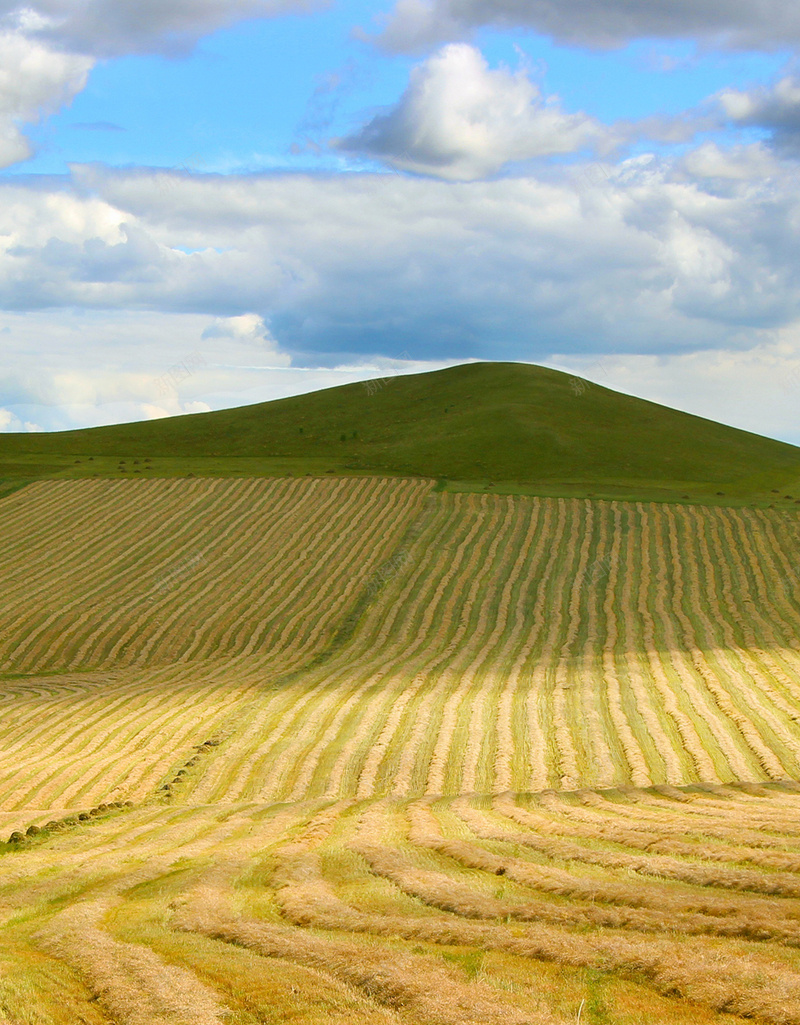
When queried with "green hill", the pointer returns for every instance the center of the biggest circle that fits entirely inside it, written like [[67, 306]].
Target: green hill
[[505, 426]]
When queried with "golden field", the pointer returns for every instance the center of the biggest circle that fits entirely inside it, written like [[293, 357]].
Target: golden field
[[354, 749]]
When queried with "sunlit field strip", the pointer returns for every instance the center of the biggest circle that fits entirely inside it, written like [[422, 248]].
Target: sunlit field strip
[[759, 653], [394, 603], [449, 750], [80, 723], [784, 689], [480, 551], [514, 737], [712, 750], [623, 725], [308, 900], [650, 702], [495, 644], [438, 690], [693, 701], [59, 772], [294, 703], [277, 713], [656, 740], [487, 710], [377, 726], [356, 723], [376, 894], [324, 711], [438, 676], [759, 727], [740, 743]]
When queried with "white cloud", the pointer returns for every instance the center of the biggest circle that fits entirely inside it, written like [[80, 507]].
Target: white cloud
[[249, 329], [34, 81], [601, 24], [107, 28], [642, 258], [460, 120], [774, 108], [10, 423], [745, 163], [363, 263], [65, 369], [694, 283]]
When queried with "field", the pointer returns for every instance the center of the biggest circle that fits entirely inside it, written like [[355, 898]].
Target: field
[[359, 749]]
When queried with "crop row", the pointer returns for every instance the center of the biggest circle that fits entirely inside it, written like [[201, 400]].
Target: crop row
[[668, 905], [359, 638], [525, 643], [283, 564]]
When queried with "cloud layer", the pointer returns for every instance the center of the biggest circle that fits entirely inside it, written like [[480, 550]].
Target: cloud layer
[[599, 24], [460, 120], [674, 285], [636, 257], [110, 28], [116, 366]]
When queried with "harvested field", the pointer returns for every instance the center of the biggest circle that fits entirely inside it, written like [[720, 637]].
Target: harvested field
[[456, 911], [344, 638], [364, 751]]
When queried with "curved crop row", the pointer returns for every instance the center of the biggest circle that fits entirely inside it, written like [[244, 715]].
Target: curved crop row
[[411, 910]]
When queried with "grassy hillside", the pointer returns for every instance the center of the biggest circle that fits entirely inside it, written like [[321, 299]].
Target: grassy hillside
[[512, 427]]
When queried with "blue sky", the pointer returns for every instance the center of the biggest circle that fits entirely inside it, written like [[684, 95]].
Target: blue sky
[[251, 94], [284, 195]]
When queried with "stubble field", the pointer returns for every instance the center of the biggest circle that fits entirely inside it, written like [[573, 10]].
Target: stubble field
[[358, 750]]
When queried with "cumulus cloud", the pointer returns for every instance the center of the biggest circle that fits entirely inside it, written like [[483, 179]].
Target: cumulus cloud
[[638, 257], [742, 163], [34, 81], [774, 108], [599, 24], [459, 119], [108, 28]]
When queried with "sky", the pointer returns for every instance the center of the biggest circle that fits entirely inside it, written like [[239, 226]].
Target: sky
[[207, 203]]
